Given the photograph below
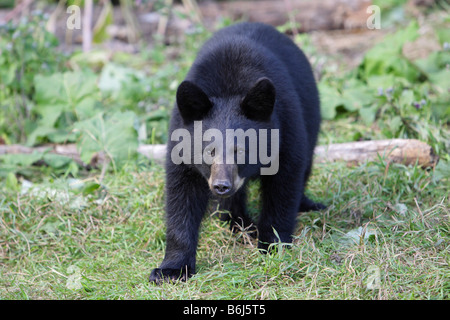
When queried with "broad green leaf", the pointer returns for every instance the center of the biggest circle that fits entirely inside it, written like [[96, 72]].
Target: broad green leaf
[[50, 114], [394, 42], [39, 132], [113, 77], [23, 159], [435, 62], [368, 114], [406, 98], [114, 135], [49, 89], [441, 106], [442, 171], [64, 89], [387, 58], [91, 188], [329, 100], [61, 100], [62, 136], [87, 108], [11, 182], [443, 35], [385, 81], [55, 160], [80, 85], [356, 95], [441, 79], [395, 124], [7, 74]]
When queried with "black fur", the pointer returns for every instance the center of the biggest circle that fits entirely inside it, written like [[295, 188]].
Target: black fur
[[246, 76]]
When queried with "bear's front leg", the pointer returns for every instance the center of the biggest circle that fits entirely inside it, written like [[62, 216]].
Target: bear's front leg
[[187, 196]]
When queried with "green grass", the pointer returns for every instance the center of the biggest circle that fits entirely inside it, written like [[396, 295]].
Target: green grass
[[117, 236]]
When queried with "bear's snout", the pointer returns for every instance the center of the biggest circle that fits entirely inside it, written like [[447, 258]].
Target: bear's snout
[[224, 180], [222, 187]]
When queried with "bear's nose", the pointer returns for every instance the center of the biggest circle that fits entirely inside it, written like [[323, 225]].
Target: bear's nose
[[222, 187]]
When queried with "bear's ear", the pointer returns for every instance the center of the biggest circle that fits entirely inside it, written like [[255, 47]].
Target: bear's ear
[[259, 102], [192, 102]]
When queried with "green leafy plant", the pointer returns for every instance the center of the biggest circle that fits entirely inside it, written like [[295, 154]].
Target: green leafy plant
[[26, 49], [387, 57], [406, 99], [113, 135], [61, 100]]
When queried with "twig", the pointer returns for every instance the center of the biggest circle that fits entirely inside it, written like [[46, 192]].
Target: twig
[[133, 31], [164, 19], [192, 6], [87, 25], [291, 15], [51, 23]]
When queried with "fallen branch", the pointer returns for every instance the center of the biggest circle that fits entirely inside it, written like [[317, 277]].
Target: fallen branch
[[406, 151]]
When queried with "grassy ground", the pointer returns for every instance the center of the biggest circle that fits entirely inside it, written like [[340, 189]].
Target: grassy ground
[[385, 235]]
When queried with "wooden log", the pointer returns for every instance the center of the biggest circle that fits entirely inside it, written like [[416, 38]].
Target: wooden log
[[406, 151]]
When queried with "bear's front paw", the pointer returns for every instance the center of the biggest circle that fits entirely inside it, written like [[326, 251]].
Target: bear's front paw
[[159, 276]]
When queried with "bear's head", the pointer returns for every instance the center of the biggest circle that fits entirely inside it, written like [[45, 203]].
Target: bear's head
[[226, 134]]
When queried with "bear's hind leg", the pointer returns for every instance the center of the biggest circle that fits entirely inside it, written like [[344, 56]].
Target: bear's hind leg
[[307, 204]]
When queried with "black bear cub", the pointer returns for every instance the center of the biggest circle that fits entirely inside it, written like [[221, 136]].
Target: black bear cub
[[248, 108]]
